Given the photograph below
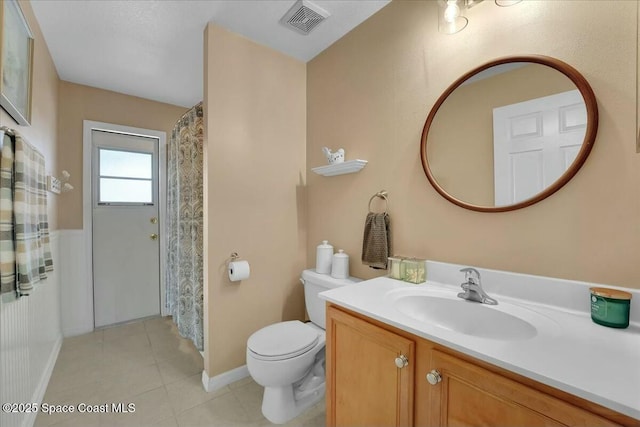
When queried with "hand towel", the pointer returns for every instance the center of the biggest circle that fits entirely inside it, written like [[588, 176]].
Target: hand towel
[[376, 243], [33, 252], [7, 239]]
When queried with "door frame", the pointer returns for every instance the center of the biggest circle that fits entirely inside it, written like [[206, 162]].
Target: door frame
[[87, 198]]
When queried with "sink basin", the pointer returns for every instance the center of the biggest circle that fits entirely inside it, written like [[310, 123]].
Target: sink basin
[[445, 310]]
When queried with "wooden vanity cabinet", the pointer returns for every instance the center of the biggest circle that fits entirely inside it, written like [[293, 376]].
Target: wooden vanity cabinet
[[364, 385], [470, 395], [366, 388]]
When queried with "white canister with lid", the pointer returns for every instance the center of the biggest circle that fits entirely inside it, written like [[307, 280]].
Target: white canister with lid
[[324, 254], [340, 265]]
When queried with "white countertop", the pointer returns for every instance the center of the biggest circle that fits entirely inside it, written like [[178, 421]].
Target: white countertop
[[569, 351]]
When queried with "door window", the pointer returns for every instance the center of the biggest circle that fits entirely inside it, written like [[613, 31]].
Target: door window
[[125, 177]]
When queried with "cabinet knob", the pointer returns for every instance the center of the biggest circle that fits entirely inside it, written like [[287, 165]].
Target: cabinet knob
[[402, 361], [434, 377]]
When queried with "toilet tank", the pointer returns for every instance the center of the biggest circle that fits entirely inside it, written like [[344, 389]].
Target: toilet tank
[[314, 283]]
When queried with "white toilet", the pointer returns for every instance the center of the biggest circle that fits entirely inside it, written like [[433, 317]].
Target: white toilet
[[287, 358]]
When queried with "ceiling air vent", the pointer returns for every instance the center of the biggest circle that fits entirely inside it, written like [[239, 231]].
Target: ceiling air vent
[[303, 17]]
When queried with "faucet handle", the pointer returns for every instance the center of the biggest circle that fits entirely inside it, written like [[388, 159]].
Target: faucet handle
[[471, 275]]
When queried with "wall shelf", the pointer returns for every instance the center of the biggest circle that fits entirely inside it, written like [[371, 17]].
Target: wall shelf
[[349, 166]]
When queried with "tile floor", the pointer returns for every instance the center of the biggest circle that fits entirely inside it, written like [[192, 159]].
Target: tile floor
[[148, 364]]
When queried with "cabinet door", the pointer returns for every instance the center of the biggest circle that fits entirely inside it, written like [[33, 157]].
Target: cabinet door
[[468, 395], [364, 385]]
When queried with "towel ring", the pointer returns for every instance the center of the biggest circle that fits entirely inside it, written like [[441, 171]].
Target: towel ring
[[382, 195]]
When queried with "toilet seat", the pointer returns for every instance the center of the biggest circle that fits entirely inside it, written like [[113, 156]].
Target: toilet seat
[[283, 340]]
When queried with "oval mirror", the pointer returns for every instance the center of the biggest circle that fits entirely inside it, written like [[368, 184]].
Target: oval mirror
[[509, 133]]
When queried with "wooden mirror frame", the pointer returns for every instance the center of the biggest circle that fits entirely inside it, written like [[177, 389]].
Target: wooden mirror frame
[[589, 138]]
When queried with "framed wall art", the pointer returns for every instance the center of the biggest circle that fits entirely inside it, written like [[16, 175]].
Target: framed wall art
[[16, 63]]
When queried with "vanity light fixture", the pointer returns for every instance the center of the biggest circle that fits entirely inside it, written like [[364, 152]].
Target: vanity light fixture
[[507, 3], [451, 16]]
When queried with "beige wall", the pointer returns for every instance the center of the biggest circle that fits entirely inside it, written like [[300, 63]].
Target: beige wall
[[371, 91], [44, 103], [460, 148], [78, 103], [255, 174]]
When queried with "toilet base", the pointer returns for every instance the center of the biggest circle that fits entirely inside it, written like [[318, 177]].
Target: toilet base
[[282, 404]]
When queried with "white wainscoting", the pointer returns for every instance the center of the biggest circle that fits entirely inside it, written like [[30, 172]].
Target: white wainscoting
[[30, 339], [76, 289]]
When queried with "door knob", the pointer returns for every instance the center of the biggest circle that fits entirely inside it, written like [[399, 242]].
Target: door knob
[[401, 361], [434, 377], [153, 236]]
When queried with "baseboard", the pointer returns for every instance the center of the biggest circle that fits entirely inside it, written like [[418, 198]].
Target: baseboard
[[225, 378], [67, 333], [38, 394]]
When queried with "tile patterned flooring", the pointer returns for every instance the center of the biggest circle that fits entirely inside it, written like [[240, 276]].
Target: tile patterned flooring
[[148, 364]]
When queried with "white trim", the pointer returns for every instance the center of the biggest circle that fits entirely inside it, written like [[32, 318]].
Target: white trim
[[87, 127], [74, 332], [76, 314], [215, 383], [38, 394]]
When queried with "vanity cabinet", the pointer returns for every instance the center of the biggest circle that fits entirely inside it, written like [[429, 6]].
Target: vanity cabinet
[[437, 387], [465, 394], [370, 373]]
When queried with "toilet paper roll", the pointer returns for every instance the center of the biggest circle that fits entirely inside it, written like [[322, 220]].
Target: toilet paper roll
[[239, 270]]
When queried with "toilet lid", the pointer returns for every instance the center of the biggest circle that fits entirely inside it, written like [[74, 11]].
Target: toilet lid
[[283, 340]]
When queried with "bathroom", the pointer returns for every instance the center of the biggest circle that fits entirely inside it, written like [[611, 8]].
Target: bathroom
[[369, 93]]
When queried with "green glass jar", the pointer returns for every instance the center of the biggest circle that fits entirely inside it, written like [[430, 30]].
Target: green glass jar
[[610, 307], [396, 269], [414, 270]]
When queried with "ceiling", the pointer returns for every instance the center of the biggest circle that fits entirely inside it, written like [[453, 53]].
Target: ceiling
[[154, 48]]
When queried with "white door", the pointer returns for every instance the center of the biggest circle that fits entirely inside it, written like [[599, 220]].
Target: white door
[[534, 143], [126, 251]]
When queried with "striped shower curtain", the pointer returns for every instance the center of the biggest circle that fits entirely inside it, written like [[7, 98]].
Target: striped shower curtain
[[185, 223], [24, 228]]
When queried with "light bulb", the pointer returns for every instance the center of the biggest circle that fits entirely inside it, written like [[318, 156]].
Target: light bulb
[[452, 11], [451, 17]]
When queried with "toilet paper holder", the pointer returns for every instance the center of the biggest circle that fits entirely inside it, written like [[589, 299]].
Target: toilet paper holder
[[233, 257], [237, 268]]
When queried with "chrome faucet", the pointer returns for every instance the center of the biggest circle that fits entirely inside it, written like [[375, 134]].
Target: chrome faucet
[[472, 289]]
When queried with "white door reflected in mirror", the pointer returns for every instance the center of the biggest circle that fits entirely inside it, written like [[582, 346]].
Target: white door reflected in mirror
[[534, 143]]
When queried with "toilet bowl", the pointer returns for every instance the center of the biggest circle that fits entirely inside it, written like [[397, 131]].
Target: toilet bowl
[[288, 358], [293, 380]]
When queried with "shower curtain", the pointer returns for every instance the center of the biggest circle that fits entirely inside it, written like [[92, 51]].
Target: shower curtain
[[184, 222]]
